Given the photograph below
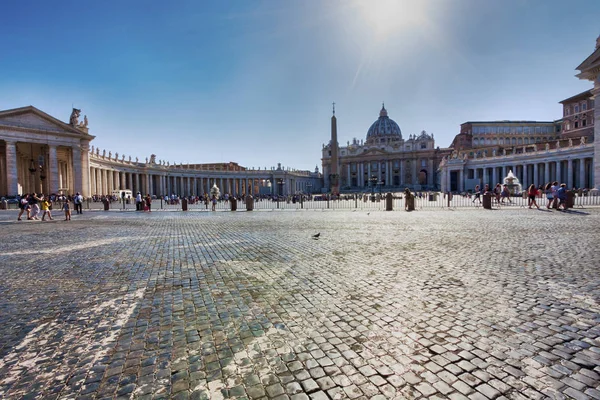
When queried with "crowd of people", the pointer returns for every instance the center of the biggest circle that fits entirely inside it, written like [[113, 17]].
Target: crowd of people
[[555, 194], [31, 204]]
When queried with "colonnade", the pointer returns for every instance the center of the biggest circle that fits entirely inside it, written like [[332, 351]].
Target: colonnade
[[573, 171], [405, 172]]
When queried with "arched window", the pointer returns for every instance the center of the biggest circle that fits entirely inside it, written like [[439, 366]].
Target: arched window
[[501, 141], [519, 141], [513, 141], [526, 141]]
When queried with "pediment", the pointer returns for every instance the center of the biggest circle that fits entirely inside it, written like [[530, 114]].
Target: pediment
[[34, 119], [591, 62]]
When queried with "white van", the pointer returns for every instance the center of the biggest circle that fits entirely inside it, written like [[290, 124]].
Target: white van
[[119, 194]]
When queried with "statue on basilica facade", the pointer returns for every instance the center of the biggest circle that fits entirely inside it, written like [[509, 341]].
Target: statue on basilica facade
[[109, 155], [92, 149], [129, 158], [97, 151], [152, 158], [570, 142], [74, 120], [116, 156], [104, 153], [558, 144], [582, 141], [547, 146], [137, 160]]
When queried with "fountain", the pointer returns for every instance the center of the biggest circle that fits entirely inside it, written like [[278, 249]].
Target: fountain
[[215, 192], [514, 186]]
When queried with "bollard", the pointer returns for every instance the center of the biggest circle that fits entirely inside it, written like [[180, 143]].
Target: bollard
[[389, 203], [184, 204], [570, 199], [233, 202], [487, 201], [249, 203], [106, 205]]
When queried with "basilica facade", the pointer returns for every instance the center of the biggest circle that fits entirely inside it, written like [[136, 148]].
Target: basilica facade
[[385, 159], [42, 154]]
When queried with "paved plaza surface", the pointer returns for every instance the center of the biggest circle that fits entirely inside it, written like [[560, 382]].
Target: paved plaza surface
[[430, 304]]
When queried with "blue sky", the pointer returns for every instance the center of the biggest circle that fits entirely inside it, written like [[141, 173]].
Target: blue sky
[[253, 81]]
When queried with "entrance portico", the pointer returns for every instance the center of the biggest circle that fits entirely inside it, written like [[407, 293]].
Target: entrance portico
[[39, 153]]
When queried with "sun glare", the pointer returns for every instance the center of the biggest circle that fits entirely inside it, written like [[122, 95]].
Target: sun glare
[[385, 18]]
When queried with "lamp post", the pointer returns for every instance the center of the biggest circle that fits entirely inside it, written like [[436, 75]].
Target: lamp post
[[280, 183], [373, 182]]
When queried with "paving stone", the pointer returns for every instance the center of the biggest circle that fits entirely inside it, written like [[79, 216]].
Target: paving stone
[[202, 305]]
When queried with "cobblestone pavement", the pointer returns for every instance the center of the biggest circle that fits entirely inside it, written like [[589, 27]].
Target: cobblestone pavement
[[431, 304]]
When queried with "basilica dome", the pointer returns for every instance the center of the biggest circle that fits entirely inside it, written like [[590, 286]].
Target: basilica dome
[[384, 126]]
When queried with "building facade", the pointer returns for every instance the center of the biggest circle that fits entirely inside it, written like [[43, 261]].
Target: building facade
[[39, 153], [537, 152], [385, 159]]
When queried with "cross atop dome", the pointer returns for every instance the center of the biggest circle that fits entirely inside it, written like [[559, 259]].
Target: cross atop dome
[[383, 112]]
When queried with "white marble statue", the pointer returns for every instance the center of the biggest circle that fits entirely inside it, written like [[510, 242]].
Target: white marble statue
[[582, 140]]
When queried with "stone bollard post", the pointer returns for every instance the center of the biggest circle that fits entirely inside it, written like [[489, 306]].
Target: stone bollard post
[[389, 206], [249, 203], [184, 204]]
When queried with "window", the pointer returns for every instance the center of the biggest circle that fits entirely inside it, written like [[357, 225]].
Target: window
[[576, 109], [568, 127], [374, 165], [583, 106], [507, 129], [519, 129], [423, 145], [424, 163], [576, 124], [396, 164], [519, 141], [488, 130], [526, 130], [514, 141], [494, 130], [567, 111], [584, 123], [526, 140], [383, 166], [538, 130]]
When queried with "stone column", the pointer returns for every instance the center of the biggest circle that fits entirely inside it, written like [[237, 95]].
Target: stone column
[[525, 182], [569, 174], [494, 176], [77, 169], [546, 172], [129, 181], [12, 180], [581, 182], [559, 172], [53, 168], [596, 163]]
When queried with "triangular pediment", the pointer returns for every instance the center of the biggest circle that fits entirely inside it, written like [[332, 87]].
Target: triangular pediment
[[34, 119], [592, 61]]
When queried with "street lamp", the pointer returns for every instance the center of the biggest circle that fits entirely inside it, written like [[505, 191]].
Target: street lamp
[[280, 183], [373, 181]]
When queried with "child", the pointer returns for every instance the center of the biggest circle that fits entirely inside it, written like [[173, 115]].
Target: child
[[67, 208], [561, 193], [46, 209]]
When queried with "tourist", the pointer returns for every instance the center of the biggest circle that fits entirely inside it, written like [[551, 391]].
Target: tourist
[[148, 203], [477, 194], [46, 209], [138, 202], [67, 209], [505, 194], [78, 201], [561, 195], [532, 192], [549, 195], [554, 188], [24, 207], [497, 192], [214, 202], [35, 208]]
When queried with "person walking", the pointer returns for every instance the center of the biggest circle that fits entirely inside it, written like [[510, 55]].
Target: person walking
[[561, 194], [214, 202], [548, 193], [46, 209], [554, 188], [24, 207], [505, 194], [67, 209], [497, 192], [477, 194], [35, 208], [532, 193]]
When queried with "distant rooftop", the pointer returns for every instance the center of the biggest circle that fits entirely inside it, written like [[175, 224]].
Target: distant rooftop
[[507, 122], [581, 96]]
